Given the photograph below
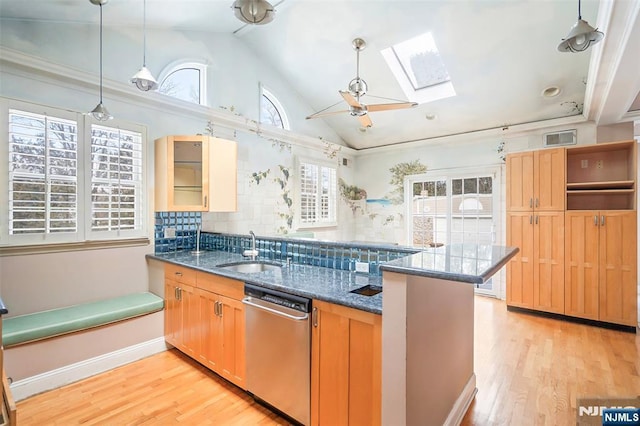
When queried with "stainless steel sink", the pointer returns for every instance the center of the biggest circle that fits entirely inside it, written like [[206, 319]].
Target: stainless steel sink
[[251, 267]]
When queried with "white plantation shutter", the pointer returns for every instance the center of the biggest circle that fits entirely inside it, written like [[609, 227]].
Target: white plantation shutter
[[68, 179], [43, 185], [317, 194], [116, 179]]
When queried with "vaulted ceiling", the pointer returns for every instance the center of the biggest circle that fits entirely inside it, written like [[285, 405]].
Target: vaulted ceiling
[[500, 54]]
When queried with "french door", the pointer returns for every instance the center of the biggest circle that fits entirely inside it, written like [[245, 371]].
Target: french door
[[454, 207]]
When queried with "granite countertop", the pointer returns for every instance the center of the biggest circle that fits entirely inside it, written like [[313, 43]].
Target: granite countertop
[[314, 282], [471, 263]]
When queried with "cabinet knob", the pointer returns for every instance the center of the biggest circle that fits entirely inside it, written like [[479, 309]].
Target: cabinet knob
[[178, 274], [537, 219], [602, 220], [205, 201], [314, 317], [595, 220], [537, 202], [531, 202], [531, 220]]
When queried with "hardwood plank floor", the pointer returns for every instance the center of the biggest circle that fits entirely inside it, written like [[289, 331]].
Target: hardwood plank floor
[[166, 388], [530, 371]]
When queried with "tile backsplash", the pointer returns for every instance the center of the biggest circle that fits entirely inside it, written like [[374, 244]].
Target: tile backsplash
[[335, 255]]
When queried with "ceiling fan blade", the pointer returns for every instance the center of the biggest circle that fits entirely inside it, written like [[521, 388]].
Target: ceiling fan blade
[[386, 107], [365, 120], [350, 99], [324, 114]]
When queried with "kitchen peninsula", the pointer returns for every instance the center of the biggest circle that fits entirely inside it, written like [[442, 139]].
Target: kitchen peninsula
[[428, 330], [418, 331]]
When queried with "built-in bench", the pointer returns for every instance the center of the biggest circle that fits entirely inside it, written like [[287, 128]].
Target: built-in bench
[[41, 325]]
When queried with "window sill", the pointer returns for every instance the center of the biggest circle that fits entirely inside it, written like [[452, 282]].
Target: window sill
[[64, 247]]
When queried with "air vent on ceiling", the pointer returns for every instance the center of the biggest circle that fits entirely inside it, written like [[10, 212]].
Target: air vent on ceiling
[[566, 137]]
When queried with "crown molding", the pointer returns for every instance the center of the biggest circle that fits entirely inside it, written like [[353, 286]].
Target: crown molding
[[36, 67]]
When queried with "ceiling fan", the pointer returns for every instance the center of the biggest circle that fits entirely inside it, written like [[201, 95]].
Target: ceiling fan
[[357, 89]]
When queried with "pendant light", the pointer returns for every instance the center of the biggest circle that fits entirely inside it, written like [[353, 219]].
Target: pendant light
[[255, 12], [100, 112], [143, 79], [580, 37]]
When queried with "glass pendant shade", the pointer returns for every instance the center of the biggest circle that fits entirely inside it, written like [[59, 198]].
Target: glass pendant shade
[[144, 80], [581, 36], [101, 113], [255, 12]]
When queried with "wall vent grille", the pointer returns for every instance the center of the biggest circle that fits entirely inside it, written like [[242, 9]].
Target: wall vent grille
[[566, 137]]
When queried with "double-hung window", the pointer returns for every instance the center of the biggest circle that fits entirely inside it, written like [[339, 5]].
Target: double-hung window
[[69, 180], [317, 194]]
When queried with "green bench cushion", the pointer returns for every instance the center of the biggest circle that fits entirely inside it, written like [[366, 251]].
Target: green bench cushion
[[40, 325]]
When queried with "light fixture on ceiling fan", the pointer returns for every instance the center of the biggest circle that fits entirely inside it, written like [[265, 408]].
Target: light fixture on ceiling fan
[[255, 12], [581, 36], [100, 112], [143, 79], [356, 89]]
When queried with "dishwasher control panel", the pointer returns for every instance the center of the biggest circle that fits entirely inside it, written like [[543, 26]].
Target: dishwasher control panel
[[278, 298]]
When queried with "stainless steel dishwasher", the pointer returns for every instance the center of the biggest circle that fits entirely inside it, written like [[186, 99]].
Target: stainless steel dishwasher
[[278, 350]]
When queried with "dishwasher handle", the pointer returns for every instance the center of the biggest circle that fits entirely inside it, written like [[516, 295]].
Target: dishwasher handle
[[257, 303]]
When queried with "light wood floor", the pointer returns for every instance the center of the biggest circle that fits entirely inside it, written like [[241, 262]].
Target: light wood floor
[[530, 370]]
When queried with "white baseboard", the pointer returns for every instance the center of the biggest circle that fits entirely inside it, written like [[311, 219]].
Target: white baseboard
[[462, 403], [30, 386]]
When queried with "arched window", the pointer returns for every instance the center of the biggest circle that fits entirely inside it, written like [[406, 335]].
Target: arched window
[[271, 111], [185, 81]]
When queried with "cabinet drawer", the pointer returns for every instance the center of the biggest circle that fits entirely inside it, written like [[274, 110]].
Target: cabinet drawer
[[180, 274], [220, 285]]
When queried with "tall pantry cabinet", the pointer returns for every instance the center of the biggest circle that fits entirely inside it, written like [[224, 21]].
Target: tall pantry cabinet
[[579, 260], [535, 224]]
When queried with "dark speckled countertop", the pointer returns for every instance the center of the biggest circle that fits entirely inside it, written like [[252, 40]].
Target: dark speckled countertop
[[465, 263], [314, 282], [470, 263]]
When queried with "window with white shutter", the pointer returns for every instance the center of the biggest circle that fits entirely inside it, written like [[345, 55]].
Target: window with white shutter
[[43, 183], [317, 194], [116, 179], [69, 180]]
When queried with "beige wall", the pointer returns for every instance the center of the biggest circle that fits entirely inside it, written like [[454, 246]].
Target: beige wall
[[36, 282], [615, 132]]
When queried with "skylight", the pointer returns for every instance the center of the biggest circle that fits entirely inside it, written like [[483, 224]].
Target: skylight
[[417, 65]]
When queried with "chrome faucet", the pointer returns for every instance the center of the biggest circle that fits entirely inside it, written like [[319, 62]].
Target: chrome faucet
[[253, 253], [197, 250]]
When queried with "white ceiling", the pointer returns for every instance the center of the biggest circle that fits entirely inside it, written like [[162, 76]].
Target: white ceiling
[[500, 54]]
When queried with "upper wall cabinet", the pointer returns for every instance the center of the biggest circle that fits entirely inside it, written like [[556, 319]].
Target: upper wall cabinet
[[536, 180], [602, 176], [195, 173]]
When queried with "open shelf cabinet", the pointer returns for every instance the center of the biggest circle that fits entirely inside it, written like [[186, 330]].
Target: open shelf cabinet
[[602, 176]]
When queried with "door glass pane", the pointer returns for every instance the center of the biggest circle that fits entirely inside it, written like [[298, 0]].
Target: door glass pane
[[429, 213], [454, 210], [187, 173]]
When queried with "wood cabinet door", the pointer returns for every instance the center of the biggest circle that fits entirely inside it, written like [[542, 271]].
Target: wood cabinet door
[[209, 338], [548, 271], [172, 314], [232, 361], [345, 366], [223, 171], [520, 268], [618, 270], [190, 320], [520, 178], [182, 173], [549, 179], [581, 297]]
